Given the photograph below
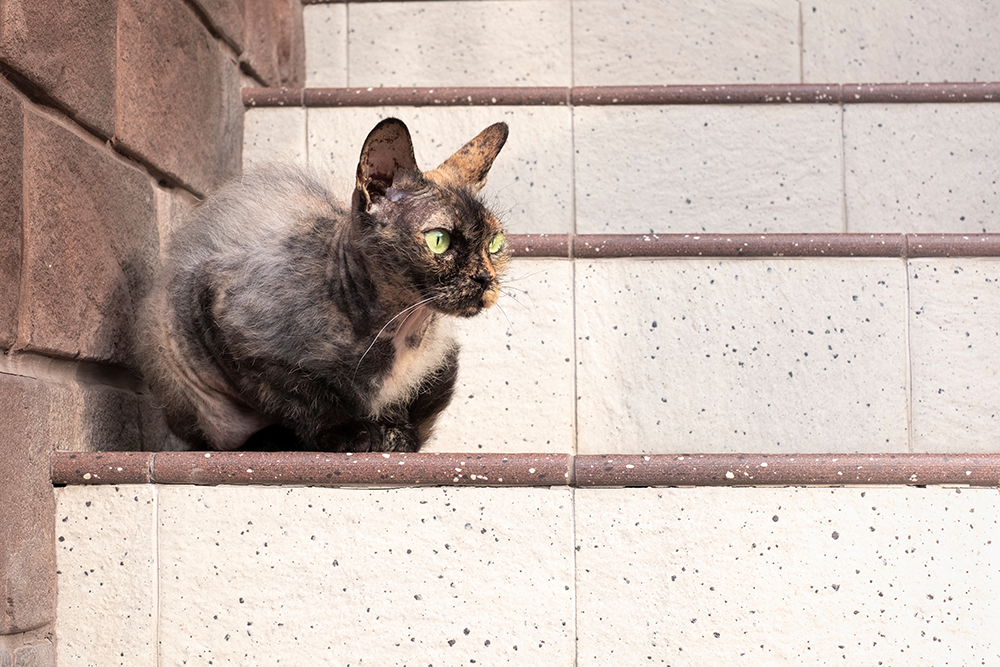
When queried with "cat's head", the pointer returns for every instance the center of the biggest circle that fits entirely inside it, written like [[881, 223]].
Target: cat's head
[[431, 227]]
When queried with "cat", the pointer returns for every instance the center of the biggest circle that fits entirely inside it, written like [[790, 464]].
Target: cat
[[278, 310]]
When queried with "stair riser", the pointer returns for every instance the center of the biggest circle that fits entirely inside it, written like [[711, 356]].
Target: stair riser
[[765, 354], [595, 42], [560, 576], [816, 168]]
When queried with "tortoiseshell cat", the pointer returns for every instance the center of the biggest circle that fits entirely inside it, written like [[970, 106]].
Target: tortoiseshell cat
[[279, 307]]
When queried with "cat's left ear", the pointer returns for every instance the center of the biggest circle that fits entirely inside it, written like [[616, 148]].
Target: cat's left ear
[[470, 164], [387, 160]]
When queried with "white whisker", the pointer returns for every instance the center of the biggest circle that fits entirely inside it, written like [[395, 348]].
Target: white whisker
[[514, 298], [526, 275], [510, 292], [510, 324]]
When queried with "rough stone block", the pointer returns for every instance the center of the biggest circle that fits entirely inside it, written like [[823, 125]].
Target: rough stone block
[[181, 114], [36, 655], [11, 192], [711, 169], [275, 42], [769, 355], [644, 42], [67, 48], [457, 43], [106, 551], [90, 245], [90, 417], [172, 205], [226, 17], [29, 410], [108, 419]]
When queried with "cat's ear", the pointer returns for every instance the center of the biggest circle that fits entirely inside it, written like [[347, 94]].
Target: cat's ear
[[472, 162], [386, 160]]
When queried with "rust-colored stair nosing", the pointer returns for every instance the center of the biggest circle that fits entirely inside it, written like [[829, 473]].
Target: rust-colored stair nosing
[[312, 469], [768, 93], [543, 469], [906, 246]]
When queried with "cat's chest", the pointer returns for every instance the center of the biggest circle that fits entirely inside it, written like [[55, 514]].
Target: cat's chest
[[421, 345]]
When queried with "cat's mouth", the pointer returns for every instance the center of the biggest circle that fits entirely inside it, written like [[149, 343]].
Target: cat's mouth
[[468, 309], [467, 302]]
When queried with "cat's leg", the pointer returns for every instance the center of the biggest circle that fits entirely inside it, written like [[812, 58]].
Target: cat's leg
[[404, 428], [433, 397], [407, 427]]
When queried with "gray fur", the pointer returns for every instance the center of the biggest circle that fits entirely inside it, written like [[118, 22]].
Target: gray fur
[[277, 305]]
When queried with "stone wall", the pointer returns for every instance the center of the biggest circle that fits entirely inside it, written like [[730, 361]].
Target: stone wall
[[114, 115]]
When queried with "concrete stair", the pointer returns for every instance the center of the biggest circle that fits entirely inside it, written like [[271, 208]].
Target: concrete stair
[[239, 575], [642, 347]]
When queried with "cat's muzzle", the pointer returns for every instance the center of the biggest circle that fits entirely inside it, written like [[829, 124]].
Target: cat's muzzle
[[472, 299]]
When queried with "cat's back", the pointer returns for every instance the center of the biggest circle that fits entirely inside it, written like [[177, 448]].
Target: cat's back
[[266, 205], [235, 234]]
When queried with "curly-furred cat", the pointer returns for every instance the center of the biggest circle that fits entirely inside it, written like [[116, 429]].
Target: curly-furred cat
[[277, 308]]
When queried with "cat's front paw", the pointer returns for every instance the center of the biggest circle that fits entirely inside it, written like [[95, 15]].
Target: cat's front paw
[[375, 437], [396, 439]]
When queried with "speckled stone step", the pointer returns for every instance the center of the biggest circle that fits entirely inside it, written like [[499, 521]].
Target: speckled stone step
[[761, 353], [595, 42], [511, 576]]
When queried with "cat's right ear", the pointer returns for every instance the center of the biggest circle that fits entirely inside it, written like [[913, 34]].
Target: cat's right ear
[[386, 160]]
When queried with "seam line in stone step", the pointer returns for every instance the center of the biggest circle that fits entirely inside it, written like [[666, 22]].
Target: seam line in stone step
[[807, 93], [501, 470]]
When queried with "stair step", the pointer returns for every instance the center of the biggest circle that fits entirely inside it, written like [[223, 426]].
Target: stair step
[[859, 159], [595, 42], [619, 336], [657, 344], [584, 576], [682, 354]]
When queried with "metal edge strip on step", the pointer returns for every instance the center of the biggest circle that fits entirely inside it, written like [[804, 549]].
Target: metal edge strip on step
[[981, 470], [439, 96], [907, 246], [312, 469], [768, 93], [491, 470]]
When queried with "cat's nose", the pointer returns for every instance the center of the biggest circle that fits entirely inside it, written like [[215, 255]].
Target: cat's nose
[[484, 278]]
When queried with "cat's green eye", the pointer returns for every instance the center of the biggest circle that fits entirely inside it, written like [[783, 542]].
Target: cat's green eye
[[497, 243], [437, 240]]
